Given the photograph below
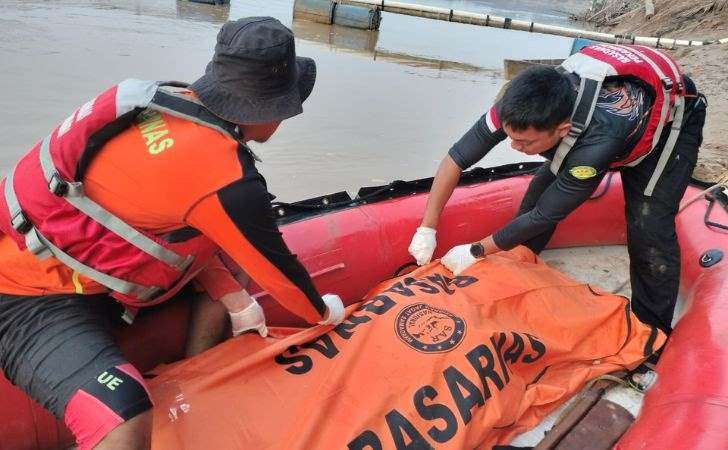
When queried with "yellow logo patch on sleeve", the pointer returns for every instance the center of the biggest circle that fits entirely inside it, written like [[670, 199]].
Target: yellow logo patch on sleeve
[[583, 172]]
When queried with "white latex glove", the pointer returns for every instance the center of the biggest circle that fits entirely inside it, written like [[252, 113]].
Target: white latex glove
[[423, 245], [250, 318], [334, 309], [458, 259]]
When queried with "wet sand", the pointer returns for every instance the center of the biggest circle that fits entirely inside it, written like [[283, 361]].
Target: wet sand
[[387, 105]]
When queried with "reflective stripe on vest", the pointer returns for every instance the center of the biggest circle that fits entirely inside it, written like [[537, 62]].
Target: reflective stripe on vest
[[584, 107]]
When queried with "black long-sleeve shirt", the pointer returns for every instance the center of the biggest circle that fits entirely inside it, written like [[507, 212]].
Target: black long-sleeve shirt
[[618, 123]]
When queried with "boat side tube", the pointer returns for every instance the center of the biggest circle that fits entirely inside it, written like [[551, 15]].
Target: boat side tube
[[688, 404]]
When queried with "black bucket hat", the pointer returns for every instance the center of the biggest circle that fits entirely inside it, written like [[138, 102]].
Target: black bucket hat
[[254, 75]]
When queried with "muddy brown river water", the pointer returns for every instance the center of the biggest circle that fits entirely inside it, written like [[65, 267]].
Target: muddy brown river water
[[387, 105]]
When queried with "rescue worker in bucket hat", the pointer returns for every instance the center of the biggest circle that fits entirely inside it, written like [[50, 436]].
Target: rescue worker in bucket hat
[[131, 197], [624, 107]]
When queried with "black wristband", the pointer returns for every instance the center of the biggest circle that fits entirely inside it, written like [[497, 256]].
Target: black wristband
[[477, 250]]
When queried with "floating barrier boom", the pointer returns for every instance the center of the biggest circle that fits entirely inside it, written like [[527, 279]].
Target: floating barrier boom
[[488, 20]]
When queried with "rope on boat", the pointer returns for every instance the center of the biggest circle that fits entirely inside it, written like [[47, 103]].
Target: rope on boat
[[722, 183], [488, 20]]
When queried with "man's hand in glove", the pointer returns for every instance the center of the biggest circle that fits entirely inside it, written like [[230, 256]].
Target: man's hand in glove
[[334, 310], [245, 313], [423, 245]]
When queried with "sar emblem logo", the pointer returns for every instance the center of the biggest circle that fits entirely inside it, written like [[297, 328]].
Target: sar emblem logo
[[428, 329], [583, 172]]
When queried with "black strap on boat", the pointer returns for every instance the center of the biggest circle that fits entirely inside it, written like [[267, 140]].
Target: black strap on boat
[[401, 269], [290, 212], [650, 344], [715, 196]]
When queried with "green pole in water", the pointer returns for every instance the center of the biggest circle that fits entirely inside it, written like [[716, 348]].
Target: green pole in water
[[488, 20]]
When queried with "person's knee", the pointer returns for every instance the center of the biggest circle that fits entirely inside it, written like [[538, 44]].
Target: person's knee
[[134, 434]]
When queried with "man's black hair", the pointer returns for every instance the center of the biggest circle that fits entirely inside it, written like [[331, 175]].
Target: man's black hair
[[538, 97]]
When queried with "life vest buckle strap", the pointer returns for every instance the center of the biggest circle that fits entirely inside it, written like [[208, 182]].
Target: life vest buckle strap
[[57, 185], [20, 222], [146, 293], [36, 246], [185, 263], [669, 146], [576, 130], [667, 84], [129, 315]]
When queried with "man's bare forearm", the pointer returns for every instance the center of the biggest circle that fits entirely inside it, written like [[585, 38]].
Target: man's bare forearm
[[447, 177]]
